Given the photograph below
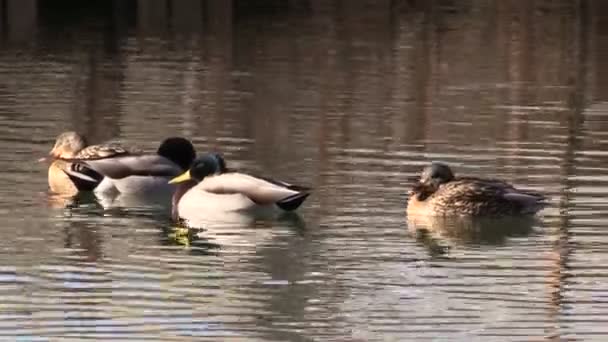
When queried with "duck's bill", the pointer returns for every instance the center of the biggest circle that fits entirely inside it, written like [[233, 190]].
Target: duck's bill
[[52, 156], [181, 178], [46, 159]]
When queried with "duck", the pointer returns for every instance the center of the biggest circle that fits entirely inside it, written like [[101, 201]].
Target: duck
[[70, 145], [208, 186], [133, 172], [440, 193]]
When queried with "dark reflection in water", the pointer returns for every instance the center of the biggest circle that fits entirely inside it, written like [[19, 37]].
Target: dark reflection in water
[[491, 231], [350, 97]]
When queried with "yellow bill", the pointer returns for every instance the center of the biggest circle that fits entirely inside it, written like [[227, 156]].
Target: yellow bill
[[181, 178]]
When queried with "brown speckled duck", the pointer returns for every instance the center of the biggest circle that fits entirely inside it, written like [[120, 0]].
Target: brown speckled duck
[[67, 145], [440, 193]]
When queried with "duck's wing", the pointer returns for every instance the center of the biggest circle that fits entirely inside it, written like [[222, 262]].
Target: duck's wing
[[107, 150], [134, 165], [83, 177], [487, 195], [486, 182], [530, 201], [500, 186], [86, 178], [260, 190], [283, 184], [113, 160]]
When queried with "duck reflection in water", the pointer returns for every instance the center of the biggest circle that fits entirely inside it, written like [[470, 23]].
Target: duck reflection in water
[[232, 230], [438, 233]]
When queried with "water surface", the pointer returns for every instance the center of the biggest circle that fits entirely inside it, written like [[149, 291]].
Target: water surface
[[351, 99]]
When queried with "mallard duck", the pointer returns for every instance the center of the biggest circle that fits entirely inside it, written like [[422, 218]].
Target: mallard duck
[[439, 192], [135, 172], [208, 186], [69, 145]]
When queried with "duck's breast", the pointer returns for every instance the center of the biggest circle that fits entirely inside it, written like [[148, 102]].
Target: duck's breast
[[417, 207], [199, 202], [59, 182]]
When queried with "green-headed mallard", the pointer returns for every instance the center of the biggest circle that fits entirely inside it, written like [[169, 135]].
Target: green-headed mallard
[[438, 192], [135, 172], [208, 186]]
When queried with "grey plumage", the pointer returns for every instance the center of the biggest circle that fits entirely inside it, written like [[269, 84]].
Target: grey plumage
[[131, 171]]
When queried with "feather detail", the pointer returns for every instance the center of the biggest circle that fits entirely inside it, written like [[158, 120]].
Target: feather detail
[[134, 165], [259, 190], [471, 196], [108, 150]]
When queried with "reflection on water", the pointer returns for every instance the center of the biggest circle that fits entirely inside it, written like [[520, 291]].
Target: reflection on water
[[353, 98], [467, 230]]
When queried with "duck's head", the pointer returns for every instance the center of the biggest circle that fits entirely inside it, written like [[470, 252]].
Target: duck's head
[[436, 174], [67, 145], [209, 164], [178, 150]]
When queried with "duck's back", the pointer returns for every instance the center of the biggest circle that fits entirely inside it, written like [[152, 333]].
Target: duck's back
[[475, 196], [260, 190]]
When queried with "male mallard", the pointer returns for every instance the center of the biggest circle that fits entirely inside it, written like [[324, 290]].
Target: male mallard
[[70, 145], [134, 172], [208, 186], [440, 193]]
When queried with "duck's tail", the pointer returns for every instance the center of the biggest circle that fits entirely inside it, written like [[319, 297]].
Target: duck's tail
[[530, 202], [294, 201]]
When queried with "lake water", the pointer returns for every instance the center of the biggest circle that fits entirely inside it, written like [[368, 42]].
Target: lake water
[[351, 98]]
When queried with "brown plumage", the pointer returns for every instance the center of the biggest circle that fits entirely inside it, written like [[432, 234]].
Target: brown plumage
[[71, 145], [439, 192], [110, 149]]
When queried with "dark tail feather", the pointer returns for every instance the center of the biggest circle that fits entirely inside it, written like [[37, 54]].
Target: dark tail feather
[[299, 188], [292, 202], [529, 202], [84, 178]]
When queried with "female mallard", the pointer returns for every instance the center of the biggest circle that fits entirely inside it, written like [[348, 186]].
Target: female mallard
[[70, 145], [208, 186], [133, 172], [440, 193]]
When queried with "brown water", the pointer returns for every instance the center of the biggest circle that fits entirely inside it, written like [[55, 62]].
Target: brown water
[[352, 98]]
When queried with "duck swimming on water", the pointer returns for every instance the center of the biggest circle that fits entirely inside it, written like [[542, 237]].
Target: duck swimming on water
[[209, 186], [440, 193], [71, 145], [133, 172]]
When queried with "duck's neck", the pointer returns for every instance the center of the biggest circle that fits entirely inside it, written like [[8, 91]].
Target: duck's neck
[[181, 189]]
